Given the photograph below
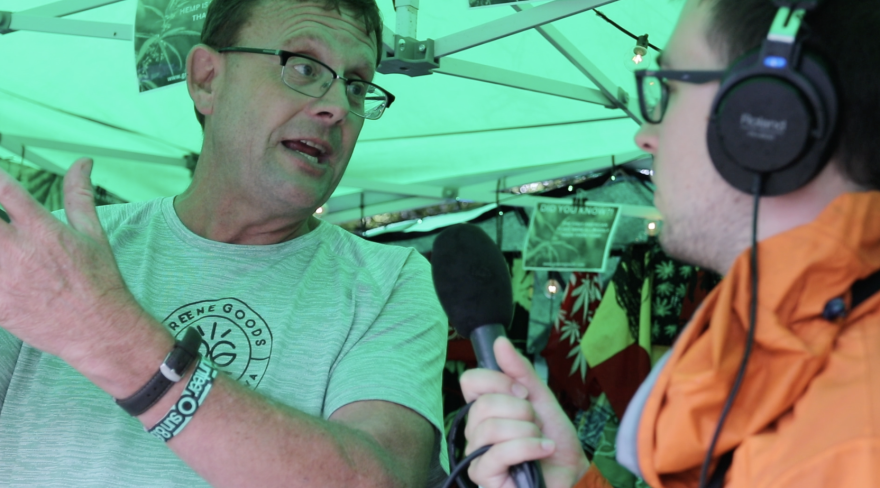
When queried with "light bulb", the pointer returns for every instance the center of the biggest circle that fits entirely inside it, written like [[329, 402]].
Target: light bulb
[[551, 288], [641, 56]]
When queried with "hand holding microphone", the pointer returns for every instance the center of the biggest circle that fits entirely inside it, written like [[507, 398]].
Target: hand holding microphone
[[513, 410], [518, 414]]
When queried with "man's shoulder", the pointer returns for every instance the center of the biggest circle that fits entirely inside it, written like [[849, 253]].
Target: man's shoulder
[[113, 215], [128, 214], [346, 244]]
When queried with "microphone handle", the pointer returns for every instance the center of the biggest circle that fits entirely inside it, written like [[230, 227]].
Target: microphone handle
[[528, 474]]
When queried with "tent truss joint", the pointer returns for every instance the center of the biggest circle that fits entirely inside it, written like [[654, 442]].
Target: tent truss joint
[[411, 57], [5, 21]]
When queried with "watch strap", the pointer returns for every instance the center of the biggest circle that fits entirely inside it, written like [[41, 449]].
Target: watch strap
[[170, 372]]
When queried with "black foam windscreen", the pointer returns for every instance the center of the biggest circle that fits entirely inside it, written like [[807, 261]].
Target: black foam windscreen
[[471, 279]]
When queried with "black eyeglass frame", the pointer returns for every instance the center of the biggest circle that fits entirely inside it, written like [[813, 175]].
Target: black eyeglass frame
[[697, 77], [286, 55]]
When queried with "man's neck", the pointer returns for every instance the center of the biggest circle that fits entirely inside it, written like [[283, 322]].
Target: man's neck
[[783, 213], [236, 222]]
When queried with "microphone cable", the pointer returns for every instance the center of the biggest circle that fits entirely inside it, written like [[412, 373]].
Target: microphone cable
[[456, 469], [757, 186]]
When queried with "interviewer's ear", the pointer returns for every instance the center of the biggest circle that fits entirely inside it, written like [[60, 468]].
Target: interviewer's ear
[[203, 64]]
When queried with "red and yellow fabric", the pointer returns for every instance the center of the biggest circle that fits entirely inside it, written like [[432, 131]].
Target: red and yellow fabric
[[646, 305], [567, 370]]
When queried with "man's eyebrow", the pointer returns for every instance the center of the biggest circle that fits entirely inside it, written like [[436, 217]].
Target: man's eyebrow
[[309, 44]]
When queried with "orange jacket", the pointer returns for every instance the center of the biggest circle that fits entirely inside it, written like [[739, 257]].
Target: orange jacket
[[808, 412]]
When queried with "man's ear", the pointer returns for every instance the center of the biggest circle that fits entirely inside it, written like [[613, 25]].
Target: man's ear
[[203, 65]]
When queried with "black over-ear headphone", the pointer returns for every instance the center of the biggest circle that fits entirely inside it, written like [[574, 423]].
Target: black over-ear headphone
[[776, 111]]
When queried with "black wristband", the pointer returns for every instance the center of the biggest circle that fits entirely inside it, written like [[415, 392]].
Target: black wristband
[[170, 372]]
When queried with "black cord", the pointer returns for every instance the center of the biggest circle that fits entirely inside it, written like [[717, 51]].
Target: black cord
[[621, 29], [526, 475], [756, 190], [453, 440], [463, 465]]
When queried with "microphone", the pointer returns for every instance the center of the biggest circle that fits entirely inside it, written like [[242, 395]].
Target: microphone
[[473, 284]]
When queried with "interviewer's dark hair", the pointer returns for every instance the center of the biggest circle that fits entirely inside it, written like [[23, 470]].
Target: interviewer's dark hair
[[225, 18], [843, 33]]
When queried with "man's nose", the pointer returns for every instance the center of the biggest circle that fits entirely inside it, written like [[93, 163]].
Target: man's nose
[[646, 137], [334, 105]]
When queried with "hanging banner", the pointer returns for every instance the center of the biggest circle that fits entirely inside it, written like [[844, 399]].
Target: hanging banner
[[165, 31], [570, 237], [495, 3]]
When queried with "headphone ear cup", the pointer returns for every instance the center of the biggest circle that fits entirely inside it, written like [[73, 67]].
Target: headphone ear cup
[[764, 124], [776, 123]]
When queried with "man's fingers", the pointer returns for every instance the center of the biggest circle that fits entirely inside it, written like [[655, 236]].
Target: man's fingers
[[491, 469], [79, 199], [499, 430], [520, 370], [479, 381], [17, 202], [493, 406]]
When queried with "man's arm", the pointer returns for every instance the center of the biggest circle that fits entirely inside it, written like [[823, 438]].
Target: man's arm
[[240, 438], [237, 438]]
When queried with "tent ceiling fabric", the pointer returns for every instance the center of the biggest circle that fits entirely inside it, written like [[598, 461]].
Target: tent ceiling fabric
[[61, 92]]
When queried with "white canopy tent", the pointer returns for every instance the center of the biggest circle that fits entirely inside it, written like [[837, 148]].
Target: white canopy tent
[[69, 89]]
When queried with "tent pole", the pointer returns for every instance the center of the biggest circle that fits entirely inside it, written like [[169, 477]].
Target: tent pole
[[45, 19], [523, 81], [584, 65], [512, 24]]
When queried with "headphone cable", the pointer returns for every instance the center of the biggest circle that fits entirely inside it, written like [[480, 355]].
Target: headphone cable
[[756, 190]]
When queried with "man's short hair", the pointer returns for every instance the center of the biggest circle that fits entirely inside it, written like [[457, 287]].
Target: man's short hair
[[843, 33], [225, 18]]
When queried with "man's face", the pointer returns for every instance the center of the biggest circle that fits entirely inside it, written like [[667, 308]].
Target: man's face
[[703, 216], [261, 130]]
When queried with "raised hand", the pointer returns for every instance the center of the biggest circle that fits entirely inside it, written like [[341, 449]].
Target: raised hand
[[60, 287], [518, 414]]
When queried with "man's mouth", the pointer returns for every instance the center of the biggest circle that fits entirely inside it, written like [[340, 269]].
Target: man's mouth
[[311, 151]]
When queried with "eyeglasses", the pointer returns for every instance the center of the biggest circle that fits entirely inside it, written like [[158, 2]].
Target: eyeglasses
[[654, 92], [306, 75]]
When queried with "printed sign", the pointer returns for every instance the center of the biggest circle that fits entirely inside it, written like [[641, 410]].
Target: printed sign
[[165, 31], [569, 237]]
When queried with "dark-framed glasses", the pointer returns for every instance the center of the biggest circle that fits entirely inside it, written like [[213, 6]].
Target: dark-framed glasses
[[654, 91], [307, 75]]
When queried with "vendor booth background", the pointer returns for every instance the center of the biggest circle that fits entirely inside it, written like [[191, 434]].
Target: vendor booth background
[[518, 104]]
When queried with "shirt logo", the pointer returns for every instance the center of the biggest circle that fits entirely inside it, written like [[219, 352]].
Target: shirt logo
[[234, 337]]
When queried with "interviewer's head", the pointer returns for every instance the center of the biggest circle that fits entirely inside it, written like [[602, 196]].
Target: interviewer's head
[[706, 220]]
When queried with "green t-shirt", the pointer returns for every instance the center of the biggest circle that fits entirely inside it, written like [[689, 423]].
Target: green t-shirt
[[315, 323]]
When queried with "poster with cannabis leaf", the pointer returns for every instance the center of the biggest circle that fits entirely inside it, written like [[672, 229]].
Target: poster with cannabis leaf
[[570, 237], [165, 31]]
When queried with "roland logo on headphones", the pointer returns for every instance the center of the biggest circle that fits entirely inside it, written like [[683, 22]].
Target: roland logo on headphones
[[761, 128]]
